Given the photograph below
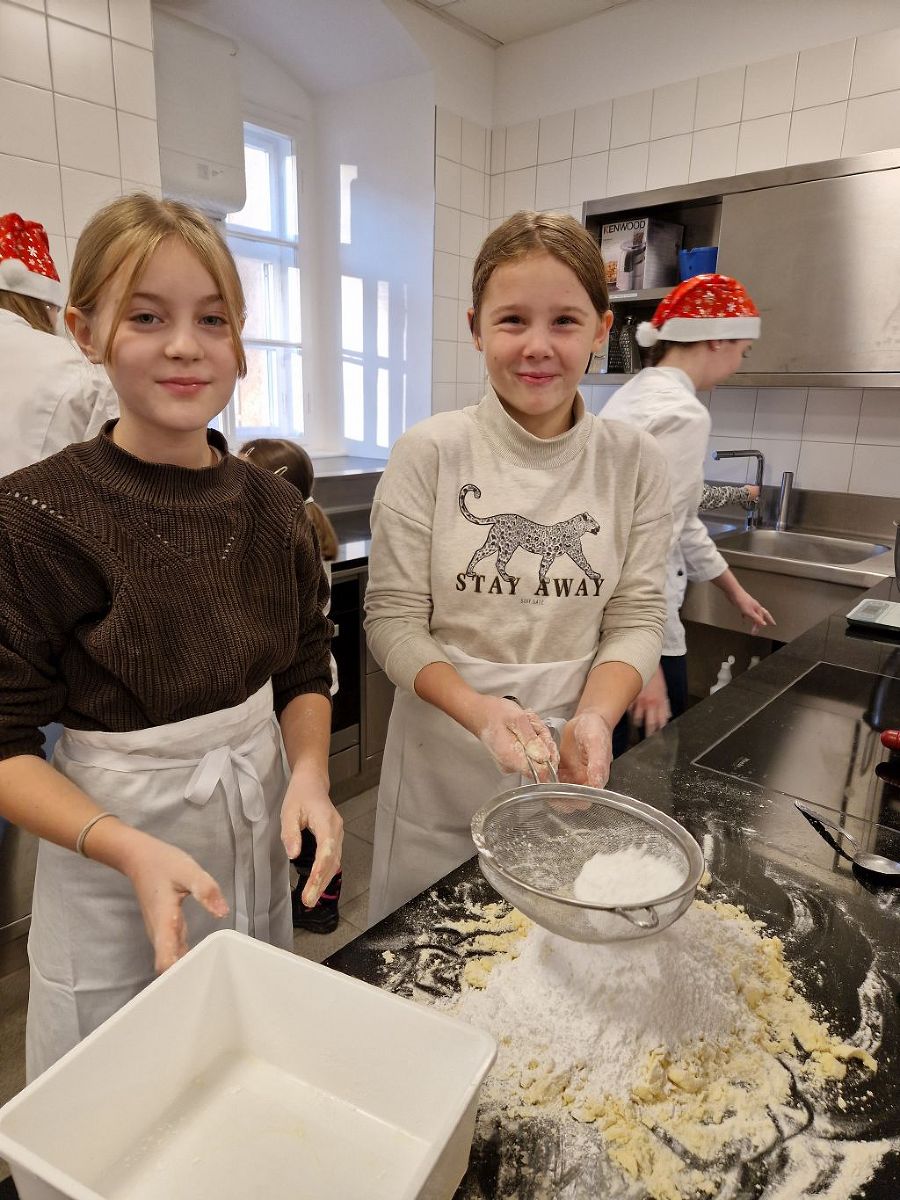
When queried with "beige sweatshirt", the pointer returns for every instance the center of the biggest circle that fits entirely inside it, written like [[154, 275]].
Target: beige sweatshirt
[[518, 549]]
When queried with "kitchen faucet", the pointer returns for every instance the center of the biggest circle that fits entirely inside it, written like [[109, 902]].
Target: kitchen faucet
[[784, 501], [753, 510]]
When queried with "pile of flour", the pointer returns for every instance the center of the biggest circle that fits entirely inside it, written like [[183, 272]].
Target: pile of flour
[[599, 1010]]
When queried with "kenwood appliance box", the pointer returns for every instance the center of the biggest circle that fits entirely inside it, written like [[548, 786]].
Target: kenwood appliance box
[[640, 252]]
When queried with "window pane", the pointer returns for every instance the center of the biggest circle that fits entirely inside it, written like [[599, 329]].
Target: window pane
[[383, 334], [354, 405], [257, 210], [291, 198], [296, 378], [256, 403], [271, 282]]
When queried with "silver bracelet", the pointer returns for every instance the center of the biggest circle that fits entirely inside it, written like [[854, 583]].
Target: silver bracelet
[[79, 841]]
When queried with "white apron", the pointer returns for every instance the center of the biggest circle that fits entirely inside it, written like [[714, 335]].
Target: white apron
[[436, 775], [88, 949]]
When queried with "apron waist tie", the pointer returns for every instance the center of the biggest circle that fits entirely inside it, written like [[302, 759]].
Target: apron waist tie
[[243, 797]]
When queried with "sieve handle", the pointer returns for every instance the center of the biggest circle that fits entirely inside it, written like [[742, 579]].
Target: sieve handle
[[554, 776], [651, 922]]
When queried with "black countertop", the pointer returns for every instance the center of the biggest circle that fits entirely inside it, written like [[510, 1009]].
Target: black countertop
[[762, 855]]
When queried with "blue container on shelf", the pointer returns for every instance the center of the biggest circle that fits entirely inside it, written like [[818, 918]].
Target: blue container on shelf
[[699, 261]]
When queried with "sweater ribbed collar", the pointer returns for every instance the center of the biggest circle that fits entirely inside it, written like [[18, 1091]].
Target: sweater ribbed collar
[[516, 445], [161, 484]]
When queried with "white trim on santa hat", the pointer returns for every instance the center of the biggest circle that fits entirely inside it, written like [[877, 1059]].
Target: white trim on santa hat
[[699, 329], [15, 277]]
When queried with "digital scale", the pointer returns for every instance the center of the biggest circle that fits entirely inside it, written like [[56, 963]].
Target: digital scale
[[883, 615]]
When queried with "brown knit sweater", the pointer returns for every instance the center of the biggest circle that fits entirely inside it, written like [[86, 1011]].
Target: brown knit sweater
[[134, 594]]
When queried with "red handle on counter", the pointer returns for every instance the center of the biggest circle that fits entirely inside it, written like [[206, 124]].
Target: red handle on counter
[[891, 739]]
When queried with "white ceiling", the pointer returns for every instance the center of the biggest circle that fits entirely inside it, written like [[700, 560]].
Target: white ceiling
[[504, 21]]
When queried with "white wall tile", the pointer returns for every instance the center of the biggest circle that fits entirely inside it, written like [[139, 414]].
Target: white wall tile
[[555, 137], [472, 230], [832, 414], [726, 470], [521, 145], [780, 455], [824, 466], [873, 123], [763, 143], [37, 5], [471, 191], [448, 135], [731, 410], [769, 87], [446, 229], [446, 269], [631, 119], [139, 148], [468, 363], [443, 397], [443, 362], [23, 46], [498, 151], [468, 394], [92, 14], [32, 133], [462, 319], [592, 126], [135, 185], [876, 64], [32, 189], [627, 171], [875, 471], [779, 413], [588, 180], [131, 21], [87, 135], [464, 282], [714, 152], [445, 319], [472, 145], [669, 162], [817, 133], [498, 193], [823, 74], [673, 109], [446, 182], [83, 193], [135, 83], [552, 188], [720, 98], [879, 419], [82, 63], [519, 189]]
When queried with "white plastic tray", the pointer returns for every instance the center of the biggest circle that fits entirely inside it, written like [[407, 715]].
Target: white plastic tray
[[245, 1071]]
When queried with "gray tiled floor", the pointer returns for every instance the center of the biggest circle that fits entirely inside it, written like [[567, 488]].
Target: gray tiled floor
[[359, 826]]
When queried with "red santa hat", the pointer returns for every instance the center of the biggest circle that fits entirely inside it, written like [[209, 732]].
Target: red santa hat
[[26, 266], [702, 309]]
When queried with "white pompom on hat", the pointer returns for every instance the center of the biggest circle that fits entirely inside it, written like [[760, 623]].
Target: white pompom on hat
[[702, 309], [26, 265]]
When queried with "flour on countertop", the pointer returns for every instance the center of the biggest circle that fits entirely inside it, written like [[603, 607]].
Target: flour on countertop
[[631, 875]]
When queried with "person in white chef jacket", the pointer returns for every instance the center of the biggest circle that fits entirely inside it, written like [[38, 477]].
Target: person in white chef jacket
[[518, 550], [699, 332], [52, 396]]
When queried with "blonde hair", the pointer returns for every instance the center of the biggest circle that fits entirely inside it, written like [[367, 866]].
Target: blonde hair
[[35, 312], [286, 458], [556, 234], [128, 231]]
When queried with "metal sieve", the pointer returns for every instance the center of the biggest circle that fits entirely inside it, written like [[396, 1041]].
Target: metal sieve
[[533, 841]]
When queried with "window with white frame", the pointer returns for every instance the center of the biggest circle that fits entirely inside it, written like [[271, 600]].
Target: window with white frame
[[264, 238]]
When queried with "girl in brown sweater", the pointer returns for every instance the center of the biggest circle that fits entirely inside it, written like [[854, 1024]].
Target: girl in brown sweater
[[163, 600]]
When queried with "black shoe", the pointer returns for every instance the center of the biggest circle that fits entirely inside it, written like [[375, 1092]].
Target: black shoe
[[325, 916]]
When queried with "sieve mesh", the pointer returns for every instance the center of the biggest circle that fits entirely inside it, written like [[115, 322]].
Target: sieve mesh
[[534, 841]]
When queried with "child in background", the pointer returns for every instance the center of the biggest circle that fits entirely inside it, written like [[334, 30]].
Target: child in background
[[291, 461], [149, 587]]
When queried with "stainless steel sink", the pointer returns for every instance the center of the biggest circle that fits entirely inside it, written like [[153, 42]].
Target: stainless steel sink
[[802, 547]]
